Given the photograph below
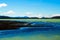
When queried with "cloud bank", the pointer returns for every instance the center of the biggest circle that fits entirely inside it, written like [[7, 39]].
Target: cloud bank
[[30, 14], [12, 13], [56, 15], [3, 5], [8, 13]]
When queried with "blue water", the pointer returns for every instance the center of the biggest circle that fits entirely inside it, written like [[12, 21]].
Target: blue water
[[26, 31]]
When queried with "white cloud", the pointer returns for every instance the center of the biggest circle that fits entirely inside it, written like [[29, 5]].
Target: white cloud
[[8, 13], [30, 14], [3, 5], [11, 13], [55, 15]]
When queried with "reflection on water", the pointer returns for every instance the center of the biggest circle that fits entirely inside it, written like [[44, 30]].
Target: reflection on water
[[31, 34]]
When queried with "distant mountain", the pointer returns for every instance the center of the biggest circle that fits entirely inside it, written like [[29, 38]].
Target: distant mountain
[[34, 18], [4, 17], [26, 17], [57, 17]]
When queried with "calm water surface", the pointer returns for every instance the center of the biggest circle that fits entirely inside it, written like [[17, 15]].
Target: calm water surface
[[32, 33]]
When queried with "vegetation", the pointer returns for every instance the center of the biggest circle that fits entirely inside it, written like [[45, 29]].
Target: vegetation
[[56, 17], [33, 37], [32, 20]]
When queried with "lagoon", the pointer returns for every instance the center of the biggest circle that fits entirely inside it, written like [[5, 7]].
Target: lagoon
[[27, 33]]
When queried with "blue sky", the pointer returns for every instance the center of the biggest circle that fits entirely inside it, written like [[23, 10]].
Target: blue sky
[[29, 7]]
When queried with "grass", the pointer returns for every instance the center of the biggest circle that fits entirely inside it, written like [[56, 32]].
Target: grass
[[33, 37], [31, 20]]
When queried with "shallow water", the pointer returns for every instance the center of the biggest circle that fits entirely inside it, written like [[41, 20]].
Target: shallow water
[[26, 33]]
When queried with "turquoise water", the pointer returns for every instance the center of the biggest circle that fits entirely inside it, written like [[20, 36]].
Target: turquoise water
[[30, 34], [26, 33]]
